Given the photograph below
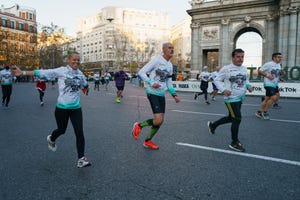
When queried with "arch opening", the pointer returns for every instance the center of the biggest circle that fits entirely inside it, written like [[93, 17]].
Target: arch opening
[[251, 41]]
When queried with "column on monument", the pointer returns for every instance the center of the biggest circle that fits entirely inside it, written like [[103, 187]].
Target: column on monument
[[292, 39], [298, 41], [226, 46], [284, 39], [280, 33], [270, 46], [195, 47]]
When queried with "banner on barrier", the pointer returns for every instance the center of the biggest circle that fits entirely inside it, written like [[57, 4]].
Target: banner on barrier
[[286, 89]]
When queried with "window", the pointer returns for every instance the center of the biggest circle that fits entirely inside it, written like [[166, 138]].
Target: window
[[12, 24], [30, 16], [4, 22], [21, 26]]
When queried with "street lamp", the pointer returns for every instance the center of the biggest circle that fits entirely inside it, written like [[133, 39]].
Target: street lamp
[[111, 47]]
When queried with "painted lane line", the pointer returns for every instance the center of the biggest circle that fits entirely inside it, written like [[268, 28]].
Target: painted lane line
[[284, 120], [199, 113], [216, 114], [289, 162]]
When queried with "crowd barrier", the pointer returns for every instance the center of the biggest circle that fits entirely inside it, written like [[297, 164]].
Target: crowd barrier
[[286, 89]]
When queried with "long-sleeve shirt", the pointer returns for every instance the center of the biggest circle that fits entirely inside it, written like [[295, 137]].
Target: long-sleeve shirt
[[70, 82], [41, 84], [6, 77], [204, 76], [213, 75], [274, 69], [160, 71], [120, 78], [96, 77], [235, 79]]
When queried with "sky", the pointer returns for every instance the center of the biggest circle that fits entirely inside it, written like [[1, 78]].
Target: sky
[[251, 43], [65, 13]]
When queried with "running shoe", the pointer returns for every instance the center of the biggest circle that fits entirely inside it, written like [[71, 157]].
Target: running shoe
[[136, 130], [149, 144], [266, 115], [207, 103], [42, 104], [195, 96], [276, 106], [213, 99], [237, 146], [83, 162], [118, 100], [51, 145], [210, 127], [259, 114]]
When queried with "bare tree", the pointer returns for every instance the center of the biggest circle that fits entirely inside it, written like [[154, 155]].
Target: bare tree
[[50, 42]]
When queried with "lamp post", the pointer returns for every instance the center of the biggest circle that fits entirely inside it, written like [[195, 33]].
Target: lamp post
[[52, 57], [110, 46]]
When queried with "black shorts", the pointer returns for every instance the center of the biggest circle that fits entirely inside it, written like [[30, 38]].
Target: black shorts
[[270, 91], [97, 82], [214, 87], [120, 88], [158, 103]]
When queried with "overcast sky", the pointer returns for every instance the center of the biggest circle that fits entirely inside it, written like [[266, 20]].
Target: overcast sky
[[65, 13]]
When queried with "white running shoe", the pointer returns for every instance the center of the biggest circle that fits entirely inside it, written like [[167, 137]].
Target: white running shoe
[[51, 145], [83, 162]]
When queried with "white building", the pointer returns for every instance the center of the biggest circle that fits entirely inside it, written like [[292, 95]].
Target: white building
[[118, 36], [181, 39]]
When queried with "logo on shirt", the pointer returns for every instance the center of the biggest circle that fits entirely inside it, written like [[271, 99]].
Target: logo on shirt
[[161, 75], [72, 84], [237, 81]]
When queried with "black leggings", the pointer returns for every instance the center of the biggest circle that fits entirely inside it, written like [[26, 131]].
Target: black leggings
[[42, 93], [62, 117], [203, 87], [6, 91], [234, 117]]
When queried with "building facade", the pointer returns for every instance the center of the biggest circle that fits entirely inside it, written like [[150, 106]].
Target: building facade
[[18, 36], [119, 36], [181, 39], [217, 24]]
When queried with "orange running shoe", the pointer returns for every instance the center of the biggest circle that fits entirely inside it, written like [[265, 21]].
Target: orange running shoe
[[136, 130], [150, 144]]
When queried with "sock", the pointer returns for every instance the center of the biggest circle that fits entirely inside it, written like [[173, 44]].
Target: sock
[[148, 122], [153, 131]]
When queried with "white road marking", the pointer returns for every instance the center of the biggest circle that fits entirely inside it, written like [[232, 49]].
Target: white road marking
[[289, 162], [283, 120], [199, 113], [216, 114]]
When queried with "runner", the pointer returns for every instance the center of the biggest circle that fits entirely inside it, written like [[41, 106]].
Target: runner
[[97, 81], [233, 82], [214, 74], [271, 71], [157, 75], [204, 78], [6, 79], [41, 88], [70, 82], [120, 77], [107, 78]]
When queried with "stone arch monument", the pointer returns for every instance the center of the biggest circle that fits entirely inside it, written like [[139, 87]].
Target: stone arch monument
[[216, 25]]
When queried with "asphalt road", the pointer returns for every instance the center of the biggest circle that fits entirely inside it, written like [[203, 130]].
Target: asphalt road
[[190, 164]]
